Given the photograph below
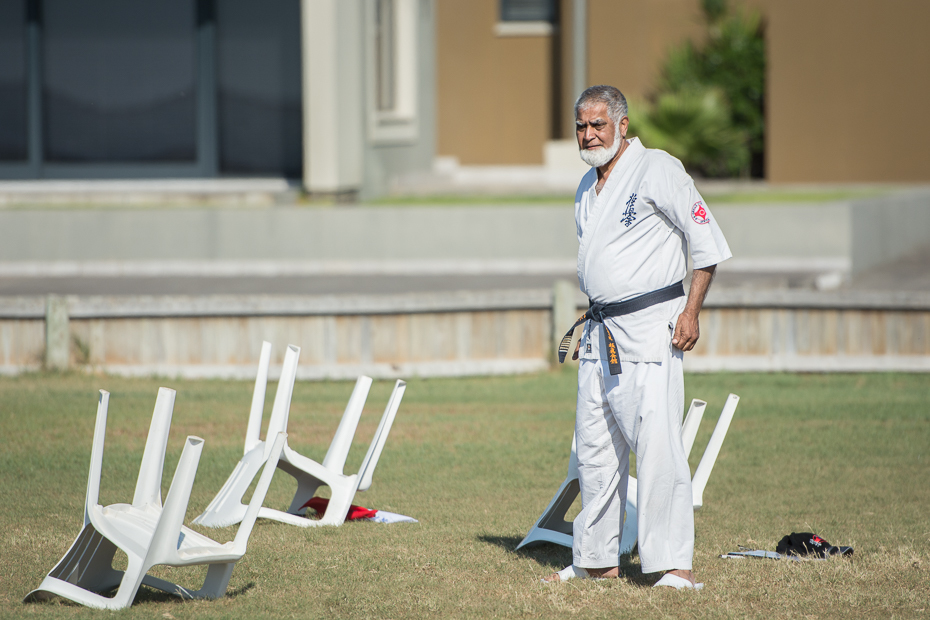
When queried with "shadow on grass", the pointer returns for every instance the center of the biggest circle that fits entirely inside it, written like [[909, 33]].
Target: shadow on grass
[[546, 554], [241, 590], [558, 557], [152, 595]]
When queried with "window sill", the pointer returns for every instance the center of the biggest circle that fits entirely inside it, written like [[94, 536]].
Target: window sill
[[523, 29]]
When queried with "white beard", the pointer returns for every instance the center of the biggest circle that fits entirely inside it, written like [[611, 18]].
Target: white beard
[[601, 156]]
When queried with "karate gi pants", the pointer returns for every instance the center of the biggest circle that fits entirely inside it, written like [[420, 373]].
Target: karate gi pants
[[641, 410]]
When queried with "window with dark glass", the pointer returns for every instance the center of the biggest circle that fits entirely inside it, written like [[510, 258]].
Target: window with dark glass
[[527, 10], [14, 137], [259, 86], [119, 80], [385, 56]]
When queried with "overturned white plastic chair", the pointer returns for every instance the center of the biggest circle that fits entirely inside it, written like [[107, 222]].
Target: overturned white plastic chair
[[311, 475], [147, 532], [226, 508], [552, 526]]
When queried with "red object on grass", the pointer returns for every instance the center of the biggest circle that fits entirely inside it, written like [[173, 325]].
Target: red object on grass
[[355, 512]]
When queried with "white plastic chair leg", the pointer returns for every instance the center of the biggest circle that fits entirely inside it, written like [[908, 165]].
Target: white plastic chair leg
[[335, 458], [370, 462], [254, 428], [702, 474], [96, 454], [690, 426], [148, 486], [216, 581]]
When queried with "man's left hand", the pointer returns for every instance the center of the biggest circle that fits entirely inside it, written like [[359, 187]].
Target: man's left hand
[[687, 331]]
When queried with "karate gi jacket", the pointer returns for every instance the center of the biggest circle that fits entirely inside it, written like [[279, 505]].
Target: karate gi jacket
[[632, 239]]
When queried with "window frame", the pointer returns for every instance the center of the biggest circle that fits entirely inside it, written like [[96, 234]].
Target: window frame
[[399, 125]]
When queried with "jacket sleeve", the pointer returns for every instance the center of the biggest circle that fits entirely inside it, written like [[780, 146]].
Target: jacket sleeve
[[686, 209]]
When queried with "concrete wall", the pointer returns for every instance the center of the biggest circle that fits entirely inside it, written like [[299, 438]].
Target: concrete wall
[[787, 236], [344, 233], [887, 229], [811, 340], [403, 335], [455, 334], [838, 236], [760, 233]]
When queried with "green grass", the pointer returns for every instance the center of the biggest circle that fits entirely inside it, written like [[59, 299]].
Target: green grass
[[473, 199], [476, 461], [762, 195], [781, 196]]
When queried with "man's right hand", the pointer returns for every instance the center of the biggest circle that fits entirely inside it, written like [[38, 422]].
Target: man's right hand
[[577, 346]]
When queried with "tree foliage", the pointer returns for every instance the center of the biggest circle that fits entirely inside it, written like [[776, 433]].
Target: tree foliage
[[702, 83], [695, 126]]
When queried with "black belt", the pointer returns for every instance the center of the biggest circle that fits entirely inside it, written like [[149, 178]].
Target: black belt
[[598, 312]]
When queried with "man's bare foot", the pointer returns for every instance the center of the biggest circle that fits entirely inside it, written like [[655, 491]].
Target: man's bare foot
[[611, 572], [684, 574], [678, 579], [571, 572]]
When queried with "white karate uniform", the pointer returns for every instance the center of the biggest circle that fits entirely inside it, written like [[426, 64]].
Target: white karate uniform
[[632, 240]]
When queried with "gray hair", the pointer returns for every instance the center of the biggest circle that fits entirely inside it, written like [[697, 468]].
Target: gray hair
[[616, 102]]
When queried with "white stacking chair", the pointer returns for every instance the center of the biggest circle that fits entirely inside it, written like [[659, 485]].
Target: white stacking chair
[[552, 526], [147, 532], [226, 508]]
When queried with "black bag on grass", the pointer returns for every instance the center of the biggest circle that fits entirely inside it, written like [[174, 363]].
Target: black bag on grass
[[809, 544]]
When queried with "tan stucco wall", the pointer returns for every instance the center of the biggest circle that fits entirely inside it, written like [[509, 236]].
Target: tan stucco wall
[[494, 93], [848, 85], [628, 40]]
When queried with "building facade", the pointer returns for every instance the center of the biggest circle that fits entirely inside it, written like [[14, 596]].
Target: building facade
[[844, 87], [345, 95], [335, 92]]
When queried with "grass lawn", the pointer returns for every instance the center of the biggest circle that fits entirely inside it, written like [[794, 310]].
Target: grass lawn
[[714, 196], [476, 461]]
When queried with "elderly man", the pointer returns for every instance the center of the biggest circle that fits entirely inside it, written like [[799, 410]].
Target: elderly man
[[637, 212]]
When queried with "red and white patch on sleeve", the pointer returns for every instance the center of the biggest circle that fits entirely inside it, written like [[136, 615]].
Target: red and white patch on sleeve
[[699, 213]]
